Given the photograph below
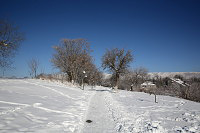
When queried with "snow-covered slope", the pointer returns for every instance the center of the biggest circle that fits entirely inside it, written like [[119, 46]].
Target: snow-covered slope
[[106, 75], [186, 75], [41, 106]]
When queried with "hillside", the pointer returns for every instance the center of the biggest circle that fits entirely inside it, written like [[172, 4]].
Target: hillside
[[186, 75]]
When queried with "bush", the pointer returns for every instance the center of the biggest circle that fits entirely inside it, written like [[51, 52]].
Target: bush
[[194, 92]]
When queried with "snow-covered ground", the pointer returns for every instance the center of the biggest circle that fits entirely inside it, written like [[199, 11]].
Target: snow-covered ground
[[43, 106], [99, 113], [137, 112]]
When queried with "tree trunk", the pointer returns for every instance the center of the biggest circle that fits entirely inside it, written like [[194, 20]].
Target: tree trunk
[[69, 76], [117, 81], [187, 93], [35, 74]]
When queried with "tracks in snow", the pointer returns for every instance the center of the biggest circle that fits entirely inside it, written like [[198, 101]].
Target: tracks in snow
[[98, 113], [49, 88]]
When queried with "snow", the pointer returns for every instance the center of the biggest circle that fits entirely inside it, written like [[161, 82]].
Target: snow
[[147, 83], [44, 106], [41, 106], [102, 121], [137, 112], [179, 81], [107, 75], [186, 75]]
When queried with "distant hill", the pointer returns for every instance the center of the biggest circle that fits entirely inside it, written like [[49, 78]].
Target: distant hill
[[106, 75], [186, 75]]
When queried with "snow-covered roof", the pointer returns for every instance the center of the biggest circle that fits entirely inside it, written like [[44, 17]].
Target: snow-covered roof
[[147, 83]]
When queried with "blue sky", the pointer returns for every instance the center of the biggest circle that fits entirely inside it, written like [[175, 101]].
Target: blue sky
[[164, 35]]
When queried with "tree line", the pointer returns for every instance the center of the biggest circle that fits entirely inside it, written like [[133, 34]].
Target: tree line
[[72, 57]]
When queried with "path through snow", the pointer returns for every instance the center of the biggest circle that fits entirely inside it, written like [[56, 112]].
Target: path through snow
[[98, 113]]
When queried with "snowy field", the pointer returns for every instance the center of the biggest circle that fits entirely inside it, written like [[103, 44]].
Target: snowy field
[[41, 106], [45, 107], [137, 112]]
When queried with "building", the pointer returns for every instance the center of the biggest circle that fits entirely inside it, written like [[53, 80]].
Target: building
[[148, 86]]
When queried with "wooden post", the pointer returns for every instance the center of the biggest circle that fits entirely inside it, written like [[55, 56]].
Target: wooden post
[[83, 83], [155, 99]]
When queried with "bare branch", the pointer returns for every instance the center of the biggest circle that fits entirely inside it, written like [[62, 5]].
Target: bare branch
[[10, 40], [116, 61]]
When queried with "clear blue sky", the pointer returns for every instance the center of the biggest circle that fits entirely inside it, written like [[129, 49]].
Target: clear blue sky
[[163, 34]]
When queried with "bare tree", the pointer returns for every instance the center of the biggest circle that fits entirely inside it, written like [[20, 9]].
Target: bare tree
[[33, 65], [194, 92], [73, 57], [135, 77], [116, 61], [10, 40], [94, 76], [140, 75]]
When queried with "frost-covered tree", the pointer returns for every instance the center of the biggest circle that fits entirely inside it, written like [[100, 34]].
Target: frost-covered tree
[[117, 61]]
